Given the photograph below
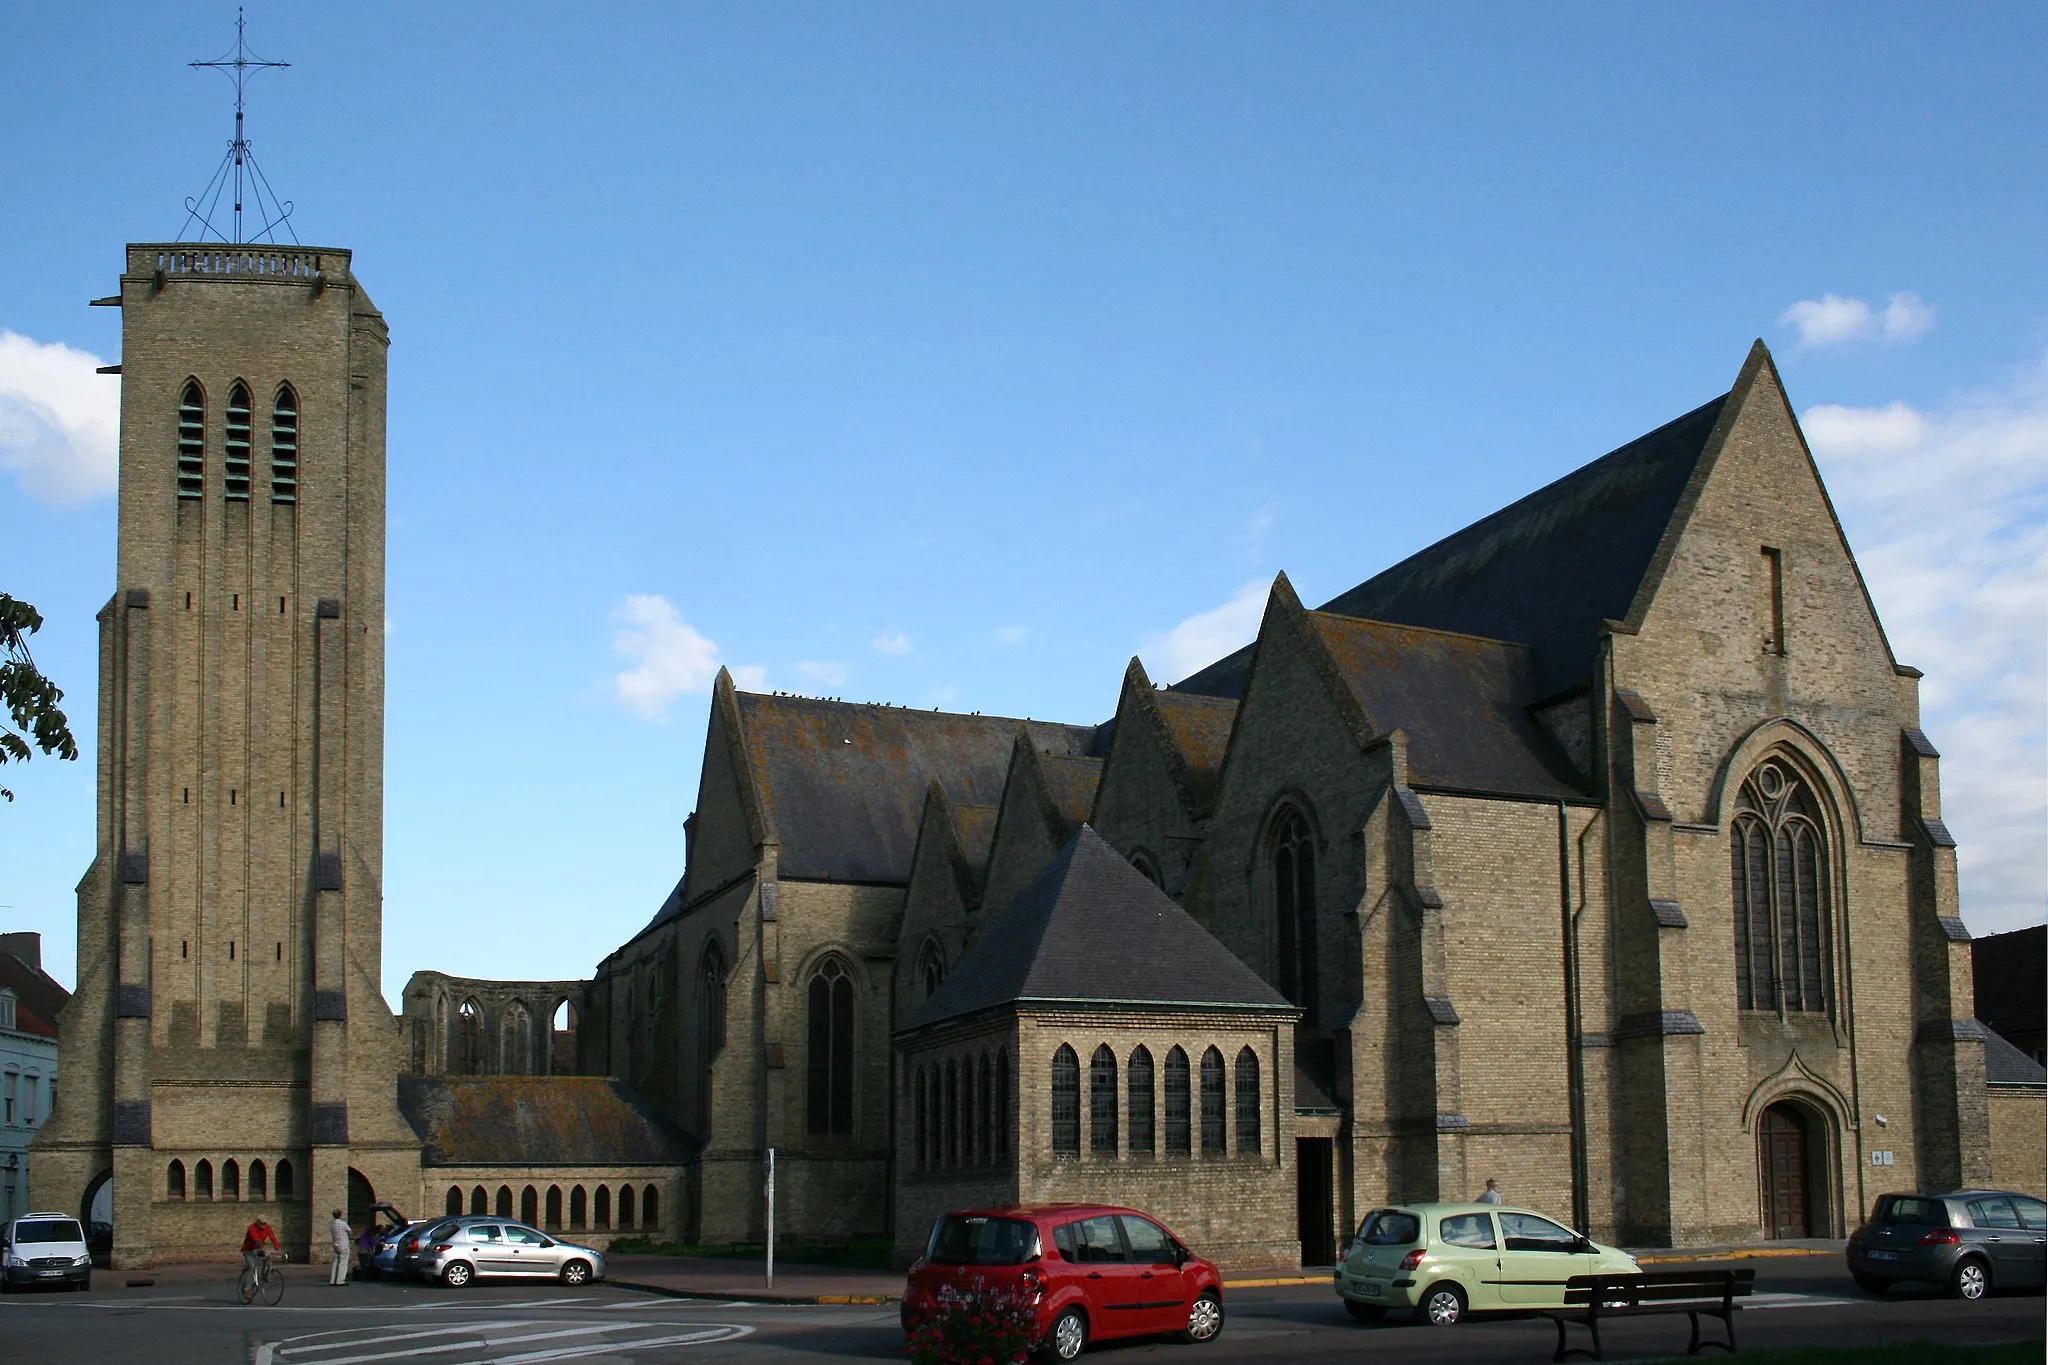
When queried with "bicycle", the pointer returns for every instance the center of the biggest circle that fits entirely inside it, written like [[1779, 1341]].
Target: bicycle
[[262, 1279]]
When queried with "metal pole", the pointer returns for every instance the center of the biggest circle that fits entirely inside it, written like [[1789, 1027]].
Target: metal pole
[[771, 1217]]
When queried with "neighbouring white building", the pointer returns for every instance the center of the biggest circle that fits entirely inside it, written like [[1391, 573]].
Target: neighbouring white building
[[29, 1001]]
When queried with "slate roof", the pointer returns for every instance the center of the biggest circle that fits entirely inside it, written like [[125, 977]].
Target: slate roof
[[37, 996], [1544, 571], [1092, 928], [1071, 782], [1200, 729], [1459, 698], [2005, 1064], [2008, 971], [537, 1121], [843, 784]]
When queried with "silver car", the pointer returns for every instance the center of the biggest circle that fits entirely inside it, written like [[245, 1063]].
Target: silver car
[[457, 1255]]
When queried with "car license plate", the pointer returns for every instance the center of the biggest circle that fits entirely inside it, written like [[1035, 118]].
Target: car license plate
[[1884, 1255], [48, 1273], [1369, 1289]]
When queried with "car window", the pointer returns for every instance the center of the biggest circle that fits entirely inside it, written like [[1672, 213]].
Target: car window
[[1467, 1230], [1148, 1241], [1926, 1213], [1096, 1241], [1527, 1232], [483, 1232], [2031, 1212], [1390, 1228], [1993, 1213], [48, 1230], [976, 1239], [525, 1237]]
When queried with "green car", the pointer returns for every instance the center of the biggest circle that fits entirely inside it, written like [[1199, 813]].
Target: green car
[[1447, 1260]]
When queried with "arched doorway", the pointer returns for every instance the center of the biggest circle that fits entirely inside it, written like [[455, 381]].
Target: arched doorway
[[96, 1211], [1788, 1143], [361, 1198]]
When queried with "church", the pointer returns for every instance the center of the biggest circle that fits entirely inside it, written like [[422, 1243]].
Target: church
[[1596, 849]]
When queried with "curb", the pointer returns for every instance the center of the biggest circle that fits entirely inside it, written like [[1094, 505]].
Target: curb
[[766, 1296], [1737, 1254], [1276, 1281]]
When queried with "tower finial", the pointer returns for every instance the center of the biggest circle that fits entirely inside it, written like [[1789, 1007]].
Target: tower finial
[[240, 66]]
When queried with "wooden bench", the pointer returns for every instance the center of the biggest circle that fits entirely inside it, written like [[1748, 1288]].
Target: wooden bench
[[1593, 1299]]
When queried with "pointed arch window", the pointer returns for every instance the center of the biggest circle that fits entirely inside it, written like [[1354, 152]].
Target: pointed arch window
[[1138, 1081], [829, 1059], [1002, 1112], [1778, 868], [192, 441], [931, 970], [711, 1006], [1102, 1102], [1066, 1102], [1247, 1103], [1215, 1126], [284, 446], [1177, 1103], [1294, 910], [236, 447]]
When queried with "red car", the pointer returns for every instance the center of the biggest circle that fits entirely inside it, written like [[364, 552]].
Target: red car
[[1091, 1270]]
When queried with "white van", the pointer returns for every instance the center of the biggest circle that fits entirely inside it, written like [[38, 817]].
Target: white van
[[44, 1248]]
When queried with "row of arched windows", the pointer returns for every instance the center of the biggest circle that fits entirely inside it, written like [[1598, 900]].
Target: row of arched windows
[[1221, 1102], [517, 1055], [201, 1184], [961, 1111], [238, 445], [586, 1208]]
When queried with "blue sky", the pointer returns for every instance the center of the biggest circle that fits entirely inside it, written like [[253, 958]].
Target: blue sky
[[949, 355]]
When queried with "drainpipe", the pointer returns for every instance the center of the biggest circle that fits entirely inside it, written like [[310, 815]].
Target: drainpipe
[[1574, 1062]]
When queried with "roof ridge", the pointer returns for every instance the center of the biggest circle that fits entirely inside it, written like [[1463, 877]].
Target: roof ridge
[[1402, 625]]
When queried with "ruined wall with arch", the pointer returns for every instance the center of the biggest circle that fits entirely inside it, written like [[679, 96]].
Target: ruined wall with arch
[[470, 1026]]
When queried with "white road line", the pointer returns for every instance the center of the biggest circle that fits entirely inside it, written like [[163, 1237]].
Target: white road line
[[581, 1330], [702, 1337]]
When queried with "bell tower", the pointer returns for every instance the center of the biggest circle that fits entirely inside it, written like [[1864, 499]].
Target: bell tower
[[229, 1044]]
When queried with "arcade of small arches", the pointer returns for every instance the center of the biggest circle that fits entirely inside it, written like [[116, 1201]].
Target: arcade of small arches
[[963, 1107], [621, 1206], [1206, 1112], [230, 1180]]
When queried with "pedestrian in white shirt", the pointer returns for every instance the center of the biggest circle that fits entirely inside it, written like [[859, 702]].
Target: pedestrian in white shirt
[[343, 1238], [1491, 1194]]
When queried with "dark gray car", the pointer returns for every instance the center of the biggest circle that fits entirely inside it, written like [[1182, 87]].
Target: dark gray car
[[1966, 1242]]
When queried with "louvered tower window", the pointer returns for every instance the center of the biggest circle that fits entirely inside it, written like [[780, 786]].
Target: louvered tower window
[[237, 444], [284, 446], [1779, 874], [192, 441]]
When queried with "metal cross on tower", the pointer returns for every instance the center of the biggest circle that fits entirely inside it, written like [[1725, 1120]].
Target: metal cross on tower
[[239, 66]]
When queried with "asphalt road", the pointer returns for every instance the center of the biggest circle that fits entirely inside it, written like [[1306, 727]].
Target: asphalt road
[[1799, 1302]]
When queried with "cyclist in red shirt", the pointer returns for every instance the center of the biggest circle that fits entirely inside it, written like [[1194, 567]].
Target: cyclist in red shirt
[[259, 1235]]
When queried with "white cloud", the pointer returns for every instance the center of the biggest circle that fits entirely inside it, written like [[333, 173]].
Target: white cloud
[[892, 642], [829, 673], [1832, 319], [60, 423], [1948, 513], [669, 657], [1206, 636]]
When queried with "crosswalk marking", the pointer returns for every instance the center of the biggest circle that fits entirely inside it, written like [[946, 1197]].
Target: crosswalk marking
[[487, 1339]]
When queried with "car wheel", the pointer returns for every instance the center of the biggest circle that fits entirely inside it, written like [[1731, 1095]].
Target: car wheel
[[456, 1274], [576, 1272], [1365, 1312], [1442, 1306], [1870, 1284], [1971, 1281], [1069, 1336], [1205, 1318]]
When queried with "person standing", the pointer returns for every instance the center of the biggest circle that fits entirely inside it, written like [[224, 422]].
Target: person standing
[[1491, 1194], [343, 1238]]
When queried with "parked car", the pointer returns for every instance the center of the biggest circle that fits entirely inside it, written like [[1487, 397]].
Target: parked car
[[44, 1249], [493, 1246], [383, 1261], [409, 1244], [1448, 1260], [1966, 1242], [1093, 1271]]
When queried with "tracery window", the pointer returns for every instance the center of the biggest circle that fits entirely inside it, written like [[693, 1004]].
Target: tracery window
[[1247, 1103], [931, 970], [191, 441], [1215, 1125], [711, 1006], [830, 1055], [1779, 874], [236, 448], [1102, 1102], [1138, 1081], [1177, 1103], [1066, 1102], [284, 446], [469, 1033], [515, 1040], [1294, 909]]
